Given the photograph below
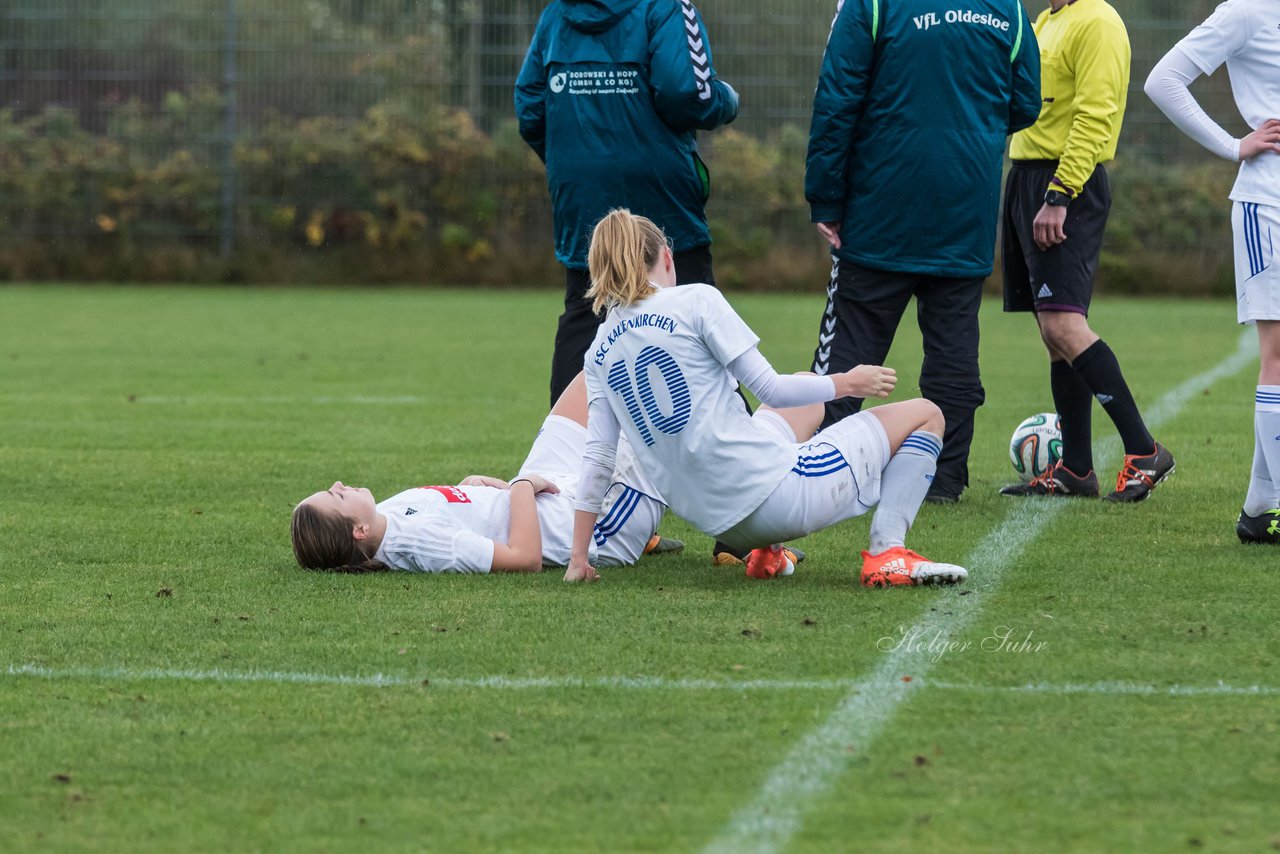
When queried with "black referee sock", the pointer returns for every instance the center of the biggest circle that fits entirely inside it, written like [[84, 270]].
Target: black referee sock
[[1074, 402], [1100, 369]]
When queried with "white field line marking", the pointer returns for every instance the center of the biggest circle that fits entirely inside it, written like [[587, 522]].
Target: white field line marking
[[769, 820], [380, 680], [1111, 689], [355, 399], [638, 683], [222, 400]]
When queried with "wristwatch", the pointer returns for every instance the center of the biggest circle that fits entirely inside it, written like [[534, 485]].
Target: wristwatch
[[1055, 199]]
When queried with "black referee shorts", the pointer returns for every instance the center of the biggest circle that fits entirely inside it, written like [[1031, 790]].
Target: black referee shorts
[[1061, 277]]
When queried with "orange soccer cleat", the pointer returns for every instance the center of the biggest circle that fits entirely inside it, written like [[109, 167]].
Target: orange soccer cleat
[[770, 562], [900, 566]]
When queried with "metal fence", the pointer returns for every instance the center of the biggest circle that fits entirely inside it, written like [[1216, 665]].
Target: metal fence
[[140, 81]]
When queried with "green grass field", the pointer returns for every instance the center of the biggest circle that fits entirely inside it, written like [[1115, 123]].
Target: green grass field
[[169, 680]]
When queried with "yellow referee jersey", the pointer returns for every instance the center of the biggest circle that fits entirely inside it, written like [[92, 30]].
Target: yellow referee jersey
[[1084, 84]]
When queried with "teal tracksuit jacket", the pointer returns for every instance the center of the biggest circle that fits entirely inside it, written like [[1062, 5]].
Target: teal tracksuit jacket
[[906, 148], [610, 96]]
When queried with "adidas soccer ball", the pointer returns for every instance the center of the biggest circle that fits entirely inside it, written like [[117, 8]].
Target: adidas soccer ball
[[1036, 445]]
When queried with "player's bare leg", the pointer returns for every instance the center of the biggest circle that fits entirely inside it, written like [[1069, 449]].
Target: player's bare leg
[[1066, 334], [900, 420], [1269, 352], [572, 402], [804, 421]]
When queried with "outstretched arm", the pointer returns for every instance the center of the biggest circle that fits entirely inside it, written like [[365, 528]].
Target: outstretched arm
[[781, 391], [593, 481], [580, 569]]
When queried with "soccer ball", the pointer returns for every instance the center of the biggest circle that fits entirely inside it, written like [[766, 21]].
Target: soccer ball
[[1036, 445]]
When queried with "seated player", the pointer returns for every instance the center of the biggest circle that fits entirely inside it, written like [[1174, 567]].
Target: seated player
[[664, 368], [485, 524]]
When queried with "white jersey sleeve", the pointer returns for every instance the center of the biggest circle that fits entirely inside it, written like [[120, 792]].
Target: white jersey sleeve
[[600, 453], [753, 370], [726, 334], [1221, 36], [1245, 34], [1167, 87]]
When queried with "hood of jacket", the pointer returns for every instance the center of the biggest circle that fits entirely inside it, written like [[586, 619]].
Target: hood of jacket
[[596, 16]]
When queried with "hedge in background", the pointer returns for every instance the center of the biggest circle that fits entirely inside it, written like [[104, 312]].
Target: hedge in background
[[422, 196]]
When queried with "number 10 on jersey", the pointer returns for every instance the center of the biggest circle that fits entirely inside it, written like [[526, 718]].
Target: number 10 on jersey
[[642, 403]]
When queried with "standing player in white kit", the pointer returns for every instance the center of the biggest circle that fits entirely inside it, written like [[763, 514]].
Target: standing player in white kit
[[1245, 34], [664, 369]]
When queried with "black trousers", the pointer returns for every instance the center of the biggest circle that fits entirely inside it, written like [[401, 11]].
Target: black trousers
[[578, 323], [864, 308]]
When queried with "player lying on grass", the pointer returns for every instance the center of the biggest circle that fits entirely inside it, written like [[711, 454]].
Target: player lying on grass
[[486, 524], [664, 367]]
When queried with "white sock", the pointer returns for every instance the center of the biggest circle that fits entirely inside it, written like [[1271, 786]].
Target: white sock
[[1262, 490], [1266, 451], [903, 486]]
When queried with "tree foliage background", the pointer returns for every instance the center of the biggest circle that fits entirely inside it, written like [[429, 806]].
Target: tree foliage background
[[373, 141]]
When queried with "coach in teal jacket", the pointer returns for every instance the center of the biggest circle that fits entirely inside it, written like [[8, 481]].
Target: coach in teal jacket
[[913, 104], [610, 96]]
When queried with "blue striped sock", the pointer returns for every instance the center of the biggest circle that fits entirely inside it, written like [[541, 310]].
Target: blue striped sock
[[903, 485]]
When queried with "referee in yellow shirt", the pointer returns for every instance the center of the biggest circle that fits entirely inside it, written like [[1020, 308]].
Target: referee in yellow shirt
[[1055, 211]]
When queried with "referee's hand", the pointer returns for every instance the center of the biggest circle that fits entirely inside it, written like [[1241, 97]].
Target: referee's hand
[[1047, 227]]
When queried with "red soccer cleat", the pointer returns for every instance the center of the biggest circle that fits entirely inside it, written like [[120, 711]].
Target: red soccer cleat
[[770, 562], [899, 566]]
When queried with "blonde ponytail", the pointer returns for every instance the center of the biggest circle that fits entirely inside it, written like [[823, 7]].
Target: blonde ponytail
[[624, 247]]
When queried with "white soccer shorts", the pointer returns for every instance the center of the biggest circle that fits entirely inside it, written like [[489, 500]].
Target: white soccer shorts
[[836, 477], [1257, 237], [628, 517]]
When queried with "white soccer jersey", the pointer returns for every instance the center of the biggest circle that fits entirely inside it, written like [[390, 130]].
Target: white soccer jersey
[[661, 366], [444, 528], [453, 528], [1245, 34]]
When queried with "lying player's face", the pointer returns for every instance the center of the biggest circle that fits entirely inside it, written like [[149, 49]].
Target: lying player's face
[[353, 502]]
